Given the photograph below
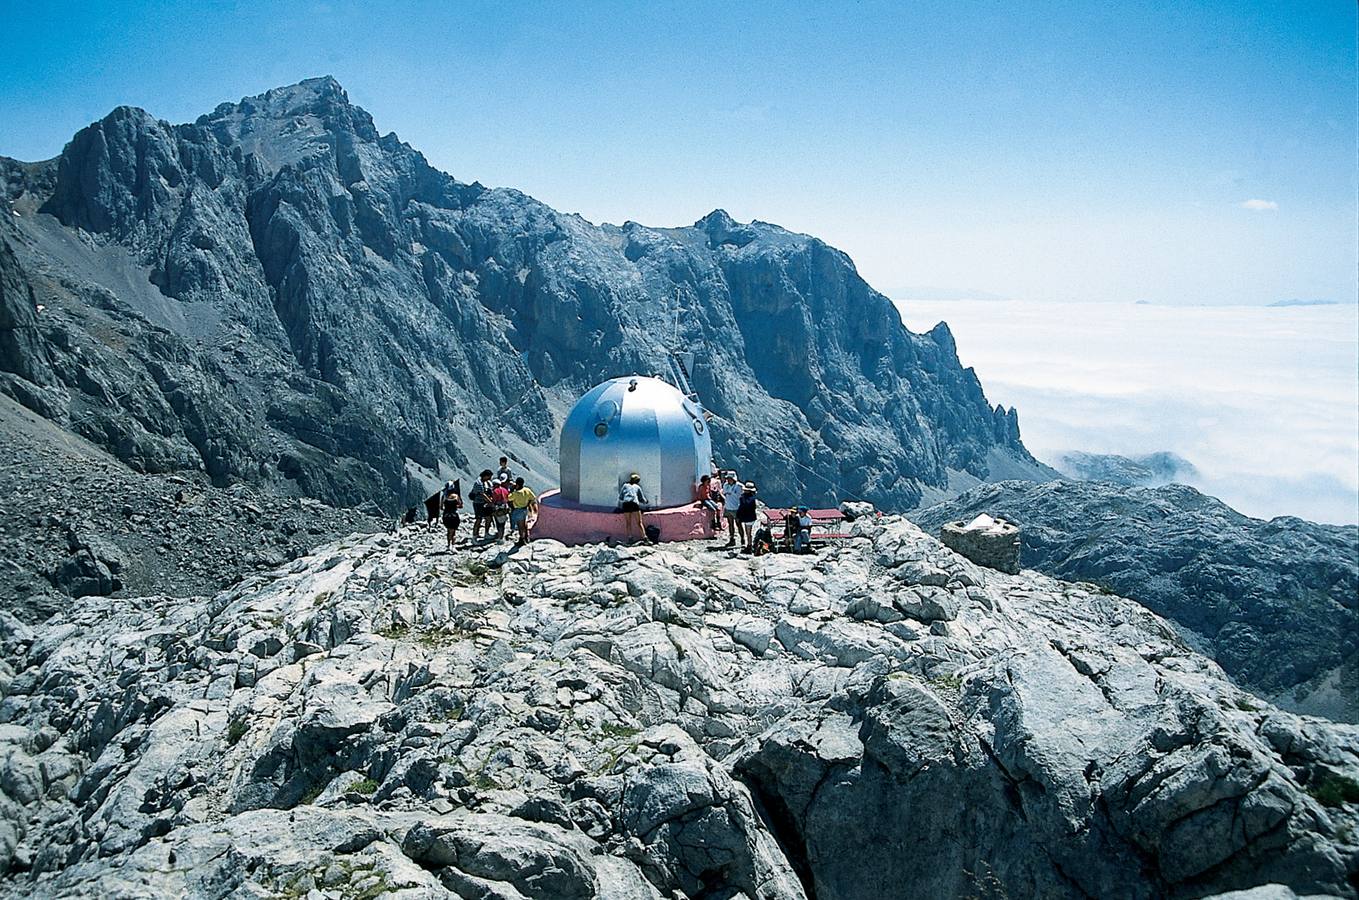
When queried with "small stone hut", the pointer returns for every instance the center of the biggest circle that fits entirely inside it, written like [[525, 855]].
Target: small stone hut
[[985, 540]]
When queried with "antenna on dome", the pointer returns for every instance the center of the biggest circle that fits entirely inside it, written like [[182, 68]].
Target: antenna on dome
[[680, 363]]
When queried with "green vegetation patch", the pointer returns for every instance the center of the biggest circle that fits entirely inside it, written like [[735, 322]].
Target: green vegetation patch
[[614, 730], [236, 729], [948, 681], [1334, 790]]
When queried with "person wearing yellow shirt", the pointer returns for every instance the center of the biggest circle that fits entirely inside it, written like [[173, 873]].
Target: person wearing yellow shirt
[[522, 501]]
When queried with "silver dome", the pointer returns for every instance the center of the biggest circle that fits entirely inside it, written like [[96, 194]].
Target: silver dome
[[634, 424]]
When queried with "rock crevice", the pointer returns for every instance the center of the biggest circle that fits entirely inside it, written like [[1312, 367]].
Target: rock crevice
[[586, 722]]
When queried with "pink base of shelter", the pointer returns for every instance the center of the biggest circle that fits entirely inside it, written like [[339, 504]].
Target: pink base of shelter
[[571, 525]]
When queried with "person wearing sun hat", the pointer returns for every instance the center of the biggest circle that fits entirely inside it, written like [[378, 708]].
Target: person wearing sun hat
[[746, 516]]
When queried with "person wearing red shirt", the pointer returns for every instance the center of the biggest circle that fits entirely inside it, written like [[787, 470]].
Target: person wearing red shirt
[[500, 506]]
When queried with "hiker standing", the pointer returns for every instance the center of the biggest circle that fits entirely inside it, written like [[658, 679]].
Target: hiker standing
[[802, 539], [631, 499], [746, 514], [450, 502], [792, 528], [718, 502], [481, 505], [503, 473], [522, 501], [731, 504], [500, 507]]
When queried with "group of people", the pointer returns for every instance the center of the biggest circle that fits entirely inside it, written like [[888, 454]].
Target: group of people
[[499, 499], [502, 502], [736, 501], [732, 503]]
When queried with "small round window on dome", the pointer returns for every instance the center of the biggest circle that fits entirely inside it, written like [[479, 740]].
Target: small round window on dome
[[601, 429], [698, 425]]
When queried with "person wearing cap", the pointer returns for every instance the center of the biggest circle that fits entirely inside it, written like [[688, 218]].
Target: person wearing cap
[[802, 538], [731, 504], [631, 499], [500, 506], [746, 515]]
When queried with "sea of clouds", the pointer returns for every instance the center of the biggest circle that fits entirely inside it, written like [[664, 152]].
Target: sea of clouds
[[1263, 401]]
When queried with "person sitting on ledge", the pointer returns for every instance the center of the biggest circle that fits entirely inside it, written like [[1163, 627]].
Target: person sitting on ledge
[[704, 495], [630, 503]]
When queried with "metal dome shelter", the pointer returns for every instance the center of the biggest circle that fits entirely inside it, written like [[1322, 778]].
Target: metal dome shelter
[[634, 424]]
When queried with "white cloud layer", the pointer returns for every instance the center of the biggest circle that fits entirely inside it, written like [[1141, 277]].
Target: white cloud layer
[[1263, 401], [1259, 205]]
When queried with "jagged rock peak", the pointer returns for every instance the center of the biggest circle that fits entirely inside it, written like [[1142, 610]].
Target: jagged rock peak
[[321, 92], [942, 335], [718, 220], [306, 260], [314, 106]]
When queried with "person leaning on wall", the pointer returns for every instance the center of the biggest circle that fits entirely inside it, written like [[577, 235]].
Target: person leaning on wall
[[631, 500]]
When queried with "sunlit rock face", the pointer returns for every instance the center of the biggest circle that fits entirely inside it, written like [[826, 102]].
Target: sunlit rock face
[[278, 293], [634, 425], [1275, 603], [880, 719]]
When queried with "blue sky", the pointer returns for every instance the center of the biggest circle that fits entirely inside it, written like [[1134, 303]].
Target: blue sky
[[1045, 151]]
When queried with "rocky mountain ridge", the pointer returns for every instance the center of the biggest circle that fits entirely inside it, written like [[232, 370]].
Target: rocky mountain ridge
[[74, 521], [881, 719], [278, 294], [1276, 603]]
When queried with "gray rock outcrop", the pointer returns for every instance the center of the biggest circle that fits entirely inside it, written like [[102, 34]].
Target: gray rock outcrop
[[652, 722], [75, 521], [1276, 603], [1147, 470], [278, 294]]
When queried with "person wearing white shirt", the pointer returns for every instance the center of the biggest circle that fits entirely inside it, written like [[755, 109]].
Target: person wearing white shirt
[[802, 541], [731, 504]]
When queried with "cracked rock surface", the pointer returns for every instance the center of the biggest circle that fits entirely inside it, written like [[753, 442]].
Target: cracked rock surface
[[1275, 603], [880, 719]]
